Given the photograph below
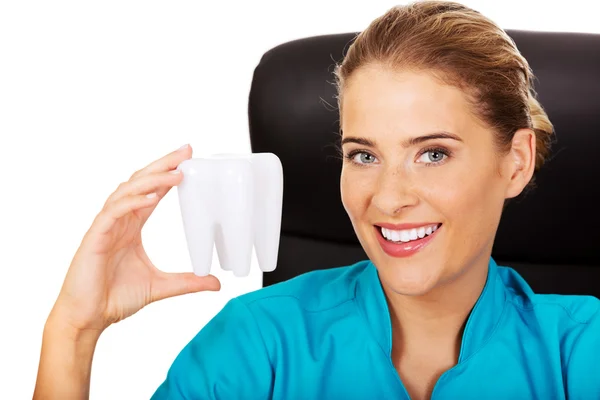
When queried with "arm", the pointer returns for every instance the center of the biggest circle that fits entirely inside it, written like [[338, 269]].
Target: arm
[[65, 362], [227, 359], [110, 278]]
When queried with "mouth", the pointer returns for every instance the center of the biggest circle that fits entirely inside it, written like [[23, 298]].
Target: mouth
[[406, 242]]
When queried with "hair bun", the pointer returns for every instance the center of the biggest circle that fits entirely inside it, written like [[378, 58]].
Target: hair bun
[[543, 128]]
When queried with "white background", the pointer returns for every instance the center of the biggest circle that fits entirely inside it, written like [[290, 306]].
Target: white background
[[91, 92]]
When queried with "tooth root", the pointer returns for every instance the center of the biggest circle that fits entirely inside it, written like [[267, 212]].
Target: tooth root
[[233, 238], [222, 254], [268, 202], [197, 211]]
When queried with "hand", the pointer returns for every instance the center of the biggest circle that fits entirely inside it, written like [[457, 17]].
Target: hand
[[111, 276]]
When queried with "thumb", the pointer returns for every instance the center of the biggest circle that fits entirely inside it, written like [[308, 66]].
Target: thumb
[[175, 284]]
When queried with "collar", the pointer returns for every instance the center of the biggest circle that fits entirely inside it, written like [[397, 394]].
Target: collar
[[480, 326]]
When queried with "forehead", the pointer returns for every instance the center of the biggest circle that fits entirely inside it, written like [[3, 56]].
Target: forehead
[[377, 100]]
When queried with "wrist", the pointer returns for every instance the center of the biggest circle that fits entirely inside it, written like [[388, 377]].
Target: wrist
[[66, 359], [58, 325]]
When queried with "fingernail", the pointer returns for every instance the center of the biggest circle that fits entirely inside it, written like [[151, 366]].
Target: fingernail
[[151, 195], [175, 171], [185, 146]]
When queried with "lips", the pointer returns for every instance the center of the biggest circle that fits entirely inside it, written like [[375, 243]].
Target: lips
[[404, 249]]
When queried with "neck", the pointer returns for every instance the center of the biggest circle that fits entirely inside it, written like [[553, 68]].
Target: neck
[[438, 316]]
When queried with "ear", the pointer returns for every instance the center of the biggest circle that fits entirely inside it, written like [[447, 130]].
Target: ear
[[520, 162]]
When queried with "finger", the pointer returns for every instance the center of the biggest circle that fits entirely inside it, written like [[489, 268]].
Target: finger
[[160, 183], [168, 285], [145, 213], [166, 163], [107, 218]]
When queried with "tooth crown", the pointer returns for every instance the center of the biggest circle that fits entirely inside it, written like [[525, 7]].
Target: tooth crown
[[235, 203], [407, 235]]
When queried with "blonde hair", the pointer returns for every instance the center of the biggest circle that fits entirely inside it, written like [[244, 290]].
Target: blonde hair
[[466, 50]]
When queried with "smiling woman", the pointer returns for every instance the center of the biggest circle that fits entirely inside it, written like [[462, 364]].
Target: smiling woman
[[414, 176], [440, 126]]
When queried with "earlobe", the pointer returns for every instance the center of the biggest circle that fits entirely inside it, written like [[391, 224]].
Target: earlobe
[[521, 161]]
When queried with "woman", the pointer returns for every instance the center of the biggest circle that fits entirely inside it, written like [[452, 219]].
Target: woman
[[440, 127]]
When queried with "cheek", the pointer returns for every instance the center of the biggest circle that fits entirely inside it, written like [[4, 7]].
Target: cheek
[[471, 202], [354, 193], [348, 197], [463, 194]]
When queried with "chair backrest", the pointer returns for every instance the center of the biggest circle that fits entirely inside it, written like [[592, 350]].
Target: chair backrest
[[551, 236]]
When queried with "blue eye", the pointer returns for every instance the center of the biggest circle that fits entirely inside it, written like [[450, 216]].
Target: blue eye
[[362, 159], [433, 156], [365, 158]]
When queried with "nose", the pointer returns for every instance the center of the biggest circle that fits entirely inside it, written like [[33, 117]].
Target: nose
[[395, 192]]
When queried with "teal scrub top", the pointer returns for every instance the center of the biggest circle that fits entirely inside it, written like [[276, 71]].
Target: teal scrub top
[[327, 335]]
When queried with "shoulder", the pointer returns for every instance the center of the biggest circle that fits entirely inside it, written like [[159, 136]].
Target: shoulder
[[567, 324], [573, 309], [313, 291], [250, 328]]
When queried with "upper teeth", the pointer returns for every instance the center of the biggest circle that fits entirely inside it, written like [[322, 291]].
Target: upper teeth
[[406, 235]]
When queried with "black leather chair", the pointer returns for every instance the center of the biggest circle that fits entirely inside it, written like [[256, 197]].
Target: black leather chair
[[551, 235]]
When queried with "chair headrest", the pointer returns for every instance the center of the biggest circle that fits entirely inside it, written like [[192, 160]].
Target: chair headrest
[[293, 113]]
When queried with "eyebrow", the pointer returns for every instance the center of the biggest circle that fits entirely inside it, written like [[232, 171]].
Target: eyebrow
[[405, 143]]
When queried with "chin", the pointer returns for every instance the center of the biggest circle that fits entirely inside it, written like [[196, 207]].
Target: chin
[[413, 274], [409, 278]]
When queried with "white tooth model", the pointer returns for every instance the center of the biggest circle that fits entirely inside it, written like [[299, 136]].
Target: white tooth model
[[234, 202]]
